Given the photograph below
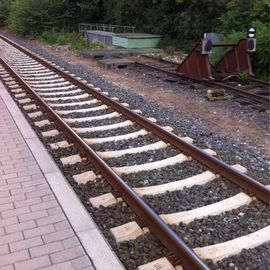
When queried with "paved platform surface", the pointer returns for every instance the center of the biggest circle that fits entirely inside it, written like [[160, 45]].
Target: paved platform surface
[[39, 227]]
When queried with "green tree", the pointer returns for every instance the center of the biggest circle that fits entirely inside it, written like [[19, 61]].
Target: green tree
[[91, 10], [4, 11], [129, 12], [185, 21], [31, 17], [240, 14]]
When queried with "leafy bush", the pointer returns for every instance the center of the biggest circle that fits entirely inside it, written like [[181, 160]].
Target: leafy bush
[[260, 59], [31, 17], [74, 41], [4, 11], [243, 77]]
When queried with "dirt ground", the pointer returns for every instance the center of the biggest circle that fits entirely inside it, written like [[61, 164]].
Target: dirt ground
[[223, 120]]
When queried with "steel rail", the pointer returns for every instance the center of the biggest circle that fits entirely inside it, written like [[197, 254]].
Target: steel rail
[[239, 92], [265, 83], [183, 254], [244, 181]]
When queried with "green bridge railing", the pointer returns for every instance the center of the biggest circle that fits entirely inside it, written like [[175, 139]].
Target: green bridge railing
[[83, 27]]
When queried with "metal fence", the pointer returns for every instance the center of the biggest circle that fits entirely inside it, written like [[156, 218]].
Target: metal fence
[[83, 27]]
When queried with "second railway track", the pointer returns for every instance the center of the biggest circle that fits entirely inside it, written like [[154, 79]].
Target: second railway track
[[127, 150], [256, 95]]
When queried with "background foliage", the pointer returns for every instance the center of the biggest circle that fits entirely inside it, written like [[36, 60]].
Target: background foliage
[[181, 22]]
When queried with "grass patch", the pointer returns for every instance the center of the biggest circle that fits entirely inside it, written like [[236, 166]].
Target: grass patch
[[74, 41]]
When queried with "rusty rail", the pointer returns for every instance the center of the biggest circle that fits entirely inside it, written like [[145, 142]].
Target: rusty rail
[[183, 254], [260, 99], [242, 180]]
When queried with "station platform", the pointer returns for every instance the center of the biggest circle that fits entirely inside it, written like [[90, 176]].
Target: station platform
[[43, 225]]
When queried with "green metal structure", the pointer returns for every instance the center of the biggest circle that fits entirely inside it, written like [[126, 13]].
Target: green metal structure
[[135, 40], [83, 27]]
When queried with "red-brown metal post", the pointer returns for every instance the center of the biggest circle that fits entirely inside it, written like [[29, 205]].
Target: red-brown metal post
[[196, 65], [235, 60]]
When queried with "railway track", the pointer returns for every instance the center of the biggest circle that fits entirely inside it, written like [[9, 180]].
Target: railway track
[[116, 144], [256, 94]]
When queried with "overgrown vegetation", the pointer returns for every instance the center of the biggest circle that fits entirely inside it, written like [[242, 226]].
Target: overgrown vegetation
[[243, 77], [74, 41], [181, 22]]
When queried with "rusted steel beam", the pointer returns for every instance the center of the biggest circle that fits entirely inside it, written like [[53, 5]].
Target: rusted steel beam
[[235, 60], [196, 65], [242, 180], [182, 252], [224, 45]]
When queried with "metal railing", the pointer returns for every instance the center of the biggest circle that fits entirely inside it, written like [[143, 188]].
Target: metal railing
[[83, 27]]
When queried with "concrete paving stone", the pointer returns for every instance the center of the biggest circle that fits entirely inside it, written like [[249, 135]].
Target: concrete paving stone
[[7, 167], [27, 202], [12, 199], [13, 161], [10, 238], [33, 263], [23, 190], [8, 176], [7, 267], [42, 186], [71, 242], [39, 193], [39, 175], [6, 206], [3, 183], [4, 249], [25, 173], [54, 211], [62, 225], [33, 182], [67, 254], [43, 205], [60, 266], [5, 157], [51, 219], [17, 170], [8, 221], [39, 231], [15, 212], [25, 163], [14, 257], [20, 179], [4, 194], [33, 215], [26, 244], [11, 187], [20, 227], [57, 236], [48, 198], [81, 263], [2, 231], [46, 249]]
